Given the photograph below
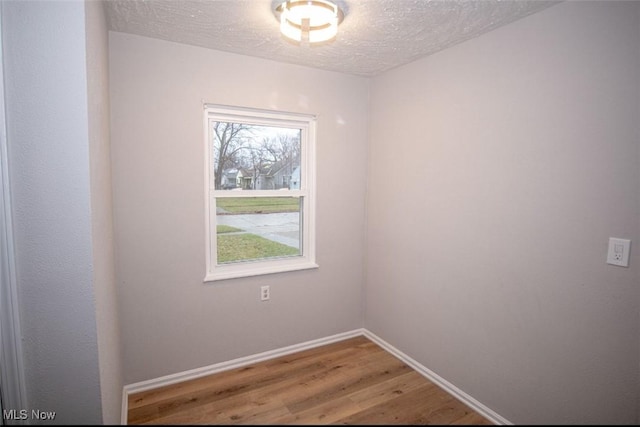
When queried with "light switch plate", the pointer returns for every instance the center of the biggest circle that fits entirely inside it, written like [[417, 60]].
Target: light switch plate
[[618, 253]]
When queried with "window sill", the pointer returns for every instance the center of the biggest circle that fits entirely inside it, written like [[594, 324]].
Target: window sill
[[244, 270]]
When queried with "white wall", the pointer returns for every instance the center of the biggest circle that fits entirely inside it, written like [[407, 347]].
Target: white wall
[[499, 168], [46, 100], [171, 321], [104, 281]]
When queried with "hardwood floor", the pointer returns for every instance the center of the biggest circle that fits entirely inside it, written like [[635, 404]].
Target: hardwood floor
[[349, 382]]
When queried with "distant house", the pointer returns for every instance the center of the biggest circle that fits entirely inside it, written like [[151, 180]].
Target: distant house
[[231, 178], [235, 178], [272, 176], [246, 183], [276, 175], [295, 179]]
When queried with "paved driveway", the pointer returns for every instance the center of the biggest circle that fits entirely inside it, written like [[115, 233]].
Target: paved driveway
[[279, 227]]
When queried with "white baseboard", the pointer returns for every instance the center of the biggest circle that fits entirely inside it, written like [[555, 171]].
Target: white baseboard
[[267, 355], [225, 366], [437, 379]]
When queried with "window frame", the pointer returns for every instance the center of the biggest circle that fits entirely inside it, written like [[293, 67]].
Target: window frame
[[307, 259]]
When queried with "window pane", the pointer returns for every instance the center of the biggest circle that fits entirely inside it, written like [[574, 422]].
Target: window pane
[[256, 228], [252, 157]]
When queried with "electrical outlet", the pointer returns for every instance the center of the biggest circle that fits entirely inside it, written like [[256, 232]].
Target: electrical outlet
[[265, 293], [618, 253]]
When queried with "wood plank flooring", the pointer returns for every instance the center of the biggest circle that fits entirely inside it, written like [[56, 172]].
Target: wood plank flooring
[[353, 381]]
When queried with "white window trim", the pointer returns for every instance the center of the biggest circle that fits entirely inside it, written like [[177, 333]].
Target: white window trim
[[305, 261]]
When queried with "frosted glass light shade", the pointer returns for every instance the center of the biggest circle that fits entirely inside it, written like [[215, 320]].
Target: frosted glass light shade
[[312, 21]]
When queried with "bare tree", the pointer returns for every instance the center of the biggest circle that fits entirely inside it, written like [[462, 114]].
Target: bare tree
[[284, 152], [230, 139], [254, 159], [238, 145], [282, 148]]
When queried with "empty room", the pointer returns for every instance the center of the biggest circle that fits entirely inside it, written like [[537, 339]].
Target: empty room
[[320, 212]]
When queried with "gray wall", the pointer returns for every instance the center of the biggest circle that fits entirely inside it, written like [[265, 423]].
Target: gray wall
[[46, 99], [104, 281], [171, 321], [516, 156]]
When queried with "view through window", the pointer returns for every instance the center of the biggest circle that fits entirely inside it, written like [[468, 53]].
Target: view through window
[[259, 167]]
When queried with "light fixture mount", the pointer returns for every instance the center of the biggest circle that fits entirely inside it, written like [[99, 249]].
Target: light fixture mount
[[309, 21]]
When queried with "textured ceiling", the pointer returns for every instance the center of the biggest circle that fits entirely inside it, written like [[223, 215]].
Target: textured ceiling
[[375, 36]]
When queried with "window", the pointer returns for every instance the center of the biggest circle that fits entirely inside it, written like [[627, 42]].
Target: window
[[260, 179]]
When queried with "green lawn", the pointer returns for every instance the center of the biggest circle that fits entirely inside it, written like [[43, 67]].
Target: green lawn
[[220, 229], [237, 247], [247, 205]]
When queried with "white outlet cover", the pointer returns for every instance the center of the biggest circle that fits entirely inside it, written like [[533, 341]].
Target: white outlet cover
[[618, 253]]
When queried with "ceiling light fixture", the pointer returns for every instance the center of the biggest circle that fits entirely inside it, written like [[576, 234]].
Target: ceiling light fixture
[[309, 21]]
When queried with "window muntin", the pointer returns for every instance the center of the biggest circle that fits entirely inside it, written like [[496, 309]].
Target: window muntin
[[260, 182]]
